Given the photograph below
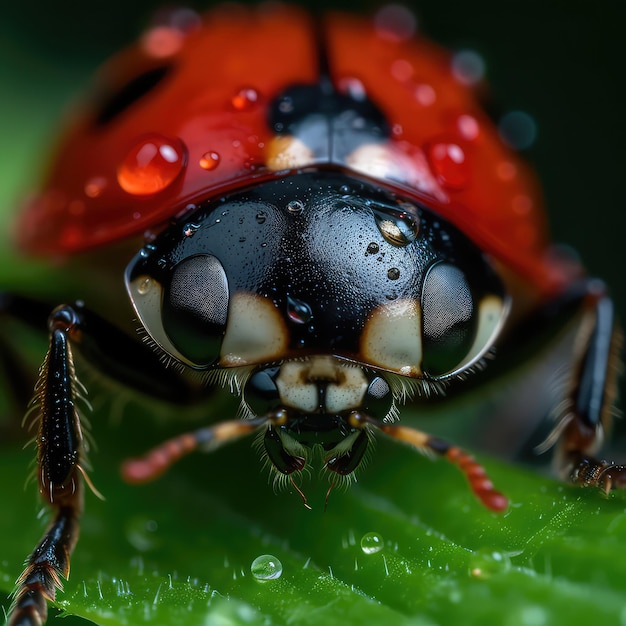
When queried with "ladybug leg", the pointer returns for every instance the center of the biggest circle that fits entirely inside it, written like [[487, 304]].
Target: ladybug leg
[[589, 409], [158, 460], [479, 482], [61, 458], [61, 466]]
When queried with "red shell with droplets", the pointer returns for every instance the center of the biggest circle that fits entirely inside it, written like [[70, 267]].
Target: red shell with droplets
[[202, 130]]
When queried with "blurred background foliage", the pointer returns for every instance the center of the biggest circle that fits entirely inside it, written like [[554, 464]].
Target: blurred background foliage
[[560, 61]]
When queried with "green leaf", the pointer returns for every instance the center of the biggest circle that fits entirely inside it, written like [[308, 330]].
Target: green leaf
[[182, 548]]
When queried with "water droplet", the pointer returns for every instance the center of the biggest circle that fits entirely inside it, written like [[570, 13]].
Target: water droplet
[[189, 230], [245, 99], [266, 567], [449, 164], [395, 22], [161, 42], [372, 248], [144, 286], [353, 88], [260, 217], [468, 67], [518, 130], [298, 311], [95, 186], [485, 563], [425, 95], [209, 161], [286, 105], [295, 206], [393, 273], [371, 543], [532, 615], [468, 127], [151, 165], [401, 70], [397, 227]]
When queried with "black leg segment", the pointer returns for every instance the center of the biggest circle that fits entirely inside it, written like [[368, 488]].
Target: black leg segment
[[60, 463], [589, 409]]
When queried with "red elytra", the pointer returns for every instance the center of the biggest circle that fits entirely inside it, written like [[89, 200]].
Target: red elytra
[[210, 109]]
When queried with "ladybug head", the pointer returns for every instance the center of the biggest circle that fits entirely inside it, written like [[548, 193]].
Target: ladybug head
[[318, 292]]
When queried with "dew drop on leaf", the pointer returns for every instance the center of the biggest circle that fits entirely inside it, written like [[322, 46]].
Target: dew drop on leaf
[[371, 543], [266, 567], [485, 563]]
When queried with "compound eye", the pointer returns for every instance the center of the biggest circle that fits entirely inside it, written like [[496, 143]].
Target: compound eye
[[195, 308], [449, 319]]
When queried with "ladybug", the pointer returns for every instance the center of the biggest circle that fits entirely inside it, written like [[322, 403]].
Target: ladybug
[[321, 219]]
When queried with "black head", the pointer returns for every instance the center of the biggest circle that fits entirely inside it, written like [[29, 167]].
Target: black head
[[310, 288]]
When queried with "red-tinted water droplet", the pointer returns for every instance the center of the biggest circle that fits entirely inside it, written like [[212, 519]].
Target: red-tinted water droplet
[[424, 94], [245, 99], [353, 87], [401, 70], [209, 161], [151, 165], [95, 186], [468, 127], [189, 230], [161, 42], [298, 311], [449, 163]]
